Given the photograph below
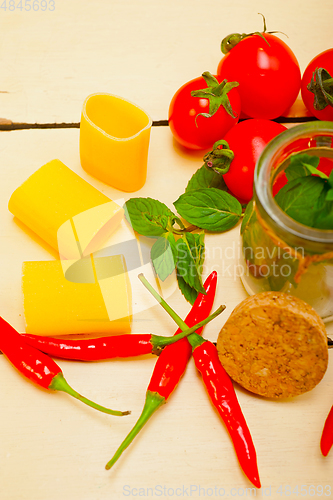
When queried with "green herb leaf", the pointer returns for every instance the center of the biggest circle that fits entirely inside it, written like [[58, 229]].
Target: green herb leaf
[[315, 171], [248, 214], [298, 198], [330, 179], [299, 166], [190, 255], [209, 208], [149, 217], [163, 254], [205, 178], [324, 217], [329, 195], [189, 293]]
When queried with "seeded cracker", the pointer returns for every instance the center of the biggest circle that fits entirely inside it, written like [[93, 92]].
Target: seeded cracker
[[274, 345]]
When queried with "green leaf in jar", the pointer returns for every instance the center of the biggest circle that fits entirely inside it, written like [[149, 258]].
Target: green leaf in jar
[[149, 217], [209, 208], [300, 166], [248, 215], [330, 179], [298, 198], [324, 217], [329, 195]]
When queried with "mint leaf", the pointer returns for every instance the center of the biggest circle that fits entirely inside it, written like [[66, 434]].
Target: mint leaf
[[324, 218], [163, 254], [189, 293], [149, 217], [190, 254], [329, 195], [315, 171], [209, 208], [205, 178], [298, 198], [248, 214], [299, 165], [330, 179]]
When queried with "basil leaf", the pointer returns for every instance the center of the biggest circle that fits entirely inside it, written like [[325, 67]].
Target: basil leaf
[[190, 250], [148, 217], [205, 178], [209, 208], [162, 255], [189, 293], [298, 198]]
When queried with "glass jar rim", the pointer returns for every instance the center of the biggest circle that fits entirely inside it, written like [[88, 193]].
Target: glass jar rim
[[262, 187]]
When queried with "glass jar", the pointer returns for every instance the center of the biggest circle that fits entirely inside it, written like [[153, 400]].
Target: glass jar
[[279, 253]]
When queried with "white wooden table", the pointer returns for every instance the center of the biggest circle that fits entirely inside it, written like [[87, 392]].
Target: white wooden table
[[52, 446]]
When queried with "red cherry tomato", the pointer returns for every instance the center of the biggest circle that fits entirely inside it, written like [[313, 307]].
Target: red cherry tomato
[[268, 74], [247, 140], [200, 132], [322, 60]]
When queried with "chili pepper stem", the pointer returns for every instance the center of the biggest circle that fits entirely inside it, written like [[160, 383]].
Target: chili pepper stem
[[152, 403], [195, 341], [159, 341], [177, 319], [59, 383]]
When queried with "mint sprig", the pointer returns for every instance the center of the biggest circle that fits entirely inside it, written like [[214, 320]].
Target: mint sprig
[[205, 205]]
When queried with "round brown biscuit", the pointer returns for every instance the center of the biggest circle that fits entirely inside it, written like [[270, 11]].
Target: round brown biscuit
[[274, 345]]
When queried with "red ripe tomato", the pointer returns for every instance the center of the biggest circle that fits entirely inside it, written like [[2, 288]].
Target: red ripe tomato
[[200, 132], [247, 140], [268, 74], [322, 60]]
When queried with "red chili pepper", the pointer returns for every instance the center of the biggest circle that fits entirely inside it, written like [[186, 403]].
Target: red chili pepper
[[170, 365], [118, 346], [222, 394], [39, 367], [326, 441]]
